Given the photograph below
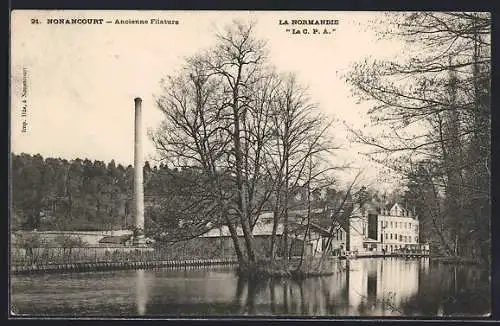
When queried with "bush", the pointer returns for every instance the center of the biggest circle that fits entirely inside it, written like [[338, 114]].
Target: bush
[[69, 241], [29, 240]]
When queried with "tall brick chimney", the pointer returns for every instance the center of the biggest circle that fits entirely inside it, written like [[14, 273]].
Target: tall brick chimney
[[138, 176]]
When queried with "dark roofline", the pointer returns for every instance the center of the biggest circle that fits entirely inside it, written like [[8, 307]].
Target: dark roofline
[[312, 225], [116, 239]]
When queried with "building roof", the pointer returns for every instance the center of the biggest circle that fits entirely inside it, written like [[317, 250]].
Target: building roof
[[265, 228], [401, 210], [323, 231]]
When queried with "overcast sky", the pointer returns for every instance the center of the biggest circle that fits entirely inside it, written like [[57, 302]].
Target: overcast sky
[[82, 79]]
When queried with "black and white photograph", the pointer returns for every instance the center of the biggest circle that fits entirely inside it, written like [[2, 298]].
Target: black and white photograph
[[197, 164]]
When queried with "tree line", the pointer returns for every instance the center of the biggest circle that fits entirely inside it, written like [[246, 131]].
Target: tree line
[[80, 194]]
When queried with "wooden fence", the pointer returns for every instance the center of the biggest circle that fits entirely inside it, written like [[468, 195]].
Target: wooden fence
[[58, 255]]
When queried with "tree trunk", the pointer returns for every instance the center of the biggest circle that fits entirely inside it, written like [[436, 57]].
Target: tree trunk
[[285, 204], [276, 216], [236, 242], [308, 222], [240, 180]]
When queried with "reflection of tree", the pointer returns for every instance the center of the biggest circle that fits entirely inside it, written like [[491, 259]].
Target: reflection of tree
[[254, 288], [240, 286], [272, 293], [303, 306], [285, 298], [251, 294], [329, 307], [329, 295], [452, 290]]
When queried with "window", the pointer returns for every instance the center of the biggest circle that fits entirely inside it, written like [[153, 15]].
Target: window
[[391, 236], [406, 225], [400, 225], [409, 225], [416, 239], [386, 236], [391, 224], [400, 238]]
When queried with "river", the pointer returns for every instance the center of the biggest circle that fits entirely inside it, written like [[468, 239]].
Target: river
[[362, 287]]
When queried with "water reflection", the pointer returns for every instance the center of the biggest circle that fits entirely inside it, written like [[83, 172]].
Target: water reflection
[[141, 292], [367, 287], [378, 287]]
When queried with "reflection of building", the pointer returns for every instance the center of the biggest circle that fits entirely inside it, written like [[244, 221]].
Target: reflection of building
[[357, 283], [373, 283], [398, 279]]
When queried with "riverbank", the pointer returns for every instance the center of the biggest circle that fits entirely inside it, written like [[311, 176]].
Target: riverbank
[[102, 266], [263, 270], [439, 259], [383, 255]]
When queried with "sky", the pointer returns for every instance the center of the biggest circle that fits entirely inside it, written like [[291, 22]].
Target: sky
[[81, 79]]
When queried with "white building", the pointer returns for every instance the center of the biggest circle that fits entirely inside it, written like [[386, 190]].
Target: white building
[[398, 228], [388, 228]]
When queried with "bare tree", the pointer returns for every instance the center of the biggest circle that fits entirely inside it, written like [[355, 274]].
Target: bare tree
[[250, 131], [436, 108]]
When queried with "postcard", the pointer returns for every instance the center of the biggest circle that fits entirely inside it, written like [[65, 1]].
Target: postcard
[[197, 164]]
